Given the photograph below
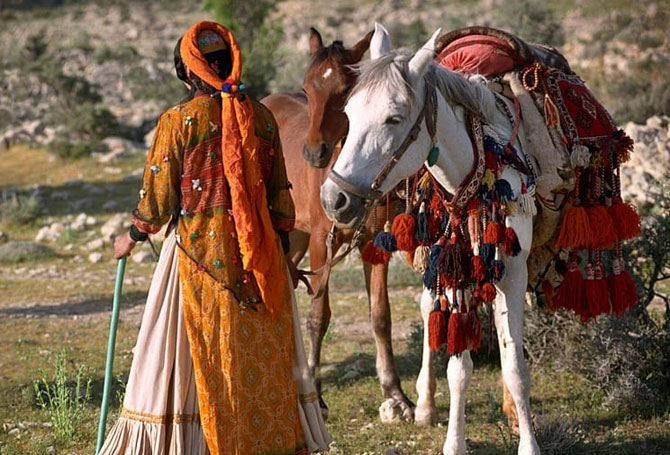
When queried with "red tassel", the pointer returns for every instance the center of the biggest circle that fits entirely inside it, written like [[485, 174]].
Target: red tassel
[[597, 295], [495, 233], [602, 231], [437, 330], [373, 255], [457, 341], [548, 291], [488, 292], [622, 291], [511, 245], [453, 264], [575, 229], [403, 229], [474, 326], [570, 294], [477, 268], [626, 220]]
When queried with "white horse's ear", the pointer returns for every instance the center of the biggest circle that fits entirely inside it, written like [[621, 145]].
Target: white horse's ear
[[419, 62], [381, 43]]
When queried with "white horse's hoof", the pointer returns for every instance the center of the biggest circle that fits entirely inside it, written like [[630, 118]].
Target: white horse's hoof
[[393, 411], [454, 448], [425, 416]]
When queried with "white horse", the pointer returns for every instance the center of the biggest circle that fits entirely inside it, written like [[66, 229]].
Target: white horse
[[383, 109]]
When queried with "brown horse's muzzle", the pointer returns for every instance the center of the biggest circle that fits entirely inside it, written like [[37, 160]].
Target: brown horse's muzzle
[[317, 155]]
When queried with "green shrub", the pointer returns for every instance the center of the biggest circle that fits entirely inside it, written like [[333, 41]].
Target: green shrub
[[17, 209], [64, 403]]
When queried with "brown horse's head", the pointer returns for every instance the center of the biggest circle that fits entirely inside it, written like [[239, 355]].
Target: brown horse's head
[[327, 83]]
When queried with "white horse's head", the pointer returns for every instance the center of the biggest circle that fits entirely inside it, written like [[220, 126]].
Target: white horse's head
[[382, 109]]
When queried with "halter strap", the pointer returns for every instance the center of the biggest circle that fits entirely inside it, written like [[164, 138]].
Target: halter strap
[[429, 114]]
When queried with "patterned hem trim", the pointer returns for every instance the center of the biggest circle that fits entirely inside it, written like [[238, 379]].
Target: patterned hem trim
[[155, 418]]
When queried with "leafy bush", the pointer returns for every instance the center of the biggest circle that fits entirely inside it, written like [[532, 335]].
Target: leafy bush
[[17, 209], [65, 405], [257, 35]]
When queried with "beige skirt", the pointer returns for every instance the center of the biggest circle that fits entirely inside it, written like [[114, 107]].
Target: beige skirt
[[160, 409]]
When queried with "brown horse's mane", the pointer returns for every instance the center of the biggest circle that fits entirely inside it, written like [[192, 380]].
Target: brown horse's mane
[[333, 52]]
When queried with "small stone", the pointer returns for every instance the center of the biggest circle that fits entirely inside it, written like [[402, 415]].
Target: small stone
[[94, 245], [94, 258], [4, 238], [392, 411], [14, 431]]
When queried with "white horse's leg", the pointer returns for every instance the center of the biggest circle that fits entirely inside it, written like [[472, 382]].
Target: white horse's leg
[[459, 373], [509, 309], [426, 411]]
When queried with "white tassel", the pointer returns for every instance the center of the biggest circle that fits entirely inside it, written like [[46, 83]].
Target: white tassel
[[421, 256], [526, 203], [580, 156]]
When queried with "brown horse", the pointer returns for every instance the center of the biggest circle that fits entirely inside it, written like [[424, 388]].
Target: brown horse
[[311, 124]]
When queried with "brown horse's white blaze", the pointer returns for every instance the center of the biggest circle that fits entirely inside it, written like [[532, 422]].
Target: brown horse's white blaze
[[384, 106], [311, 124]]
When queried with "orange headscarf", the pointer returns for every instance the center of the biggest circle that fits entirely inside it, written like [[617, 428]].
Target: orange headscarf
[[239, 147]]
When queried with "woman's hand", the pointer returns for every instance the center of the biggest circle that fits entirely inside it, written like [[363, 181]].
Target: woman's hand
[[123, 245]]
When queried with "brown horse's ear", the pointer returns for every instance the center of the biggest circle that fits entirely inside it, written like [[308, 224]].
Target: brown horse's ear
[[315, 41], [360, 47]]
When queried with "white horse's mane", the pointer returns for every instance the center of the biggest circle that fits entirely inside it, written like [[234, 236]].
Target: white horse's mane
[[390, 72]]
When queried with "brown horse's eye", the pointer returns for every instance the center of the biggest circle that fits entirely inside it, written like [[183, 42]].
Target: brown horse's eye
[[393, 120]]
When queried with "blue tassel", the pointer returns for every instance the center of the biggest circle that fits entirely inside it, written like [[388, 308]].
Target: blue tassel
[[386, 241], [445, 221], [485, 194], [490, 145], [430, 276], [422, 234], [504, 191], [498, 268], [487, 251]]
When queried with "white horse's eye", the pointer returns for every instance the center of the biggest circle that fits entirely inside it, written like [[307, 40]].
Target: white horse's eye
[[393, 120]]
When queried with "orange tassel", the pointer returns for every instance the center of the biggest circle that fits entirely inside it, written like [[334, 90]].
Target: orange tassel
[[622, 291], [478, 268], [626, 220], [457, 341], [511, 246], [597, 294], [570, 294], [474, 326], [373, 255], [495, 233], [488, 292], [437, 329], [548, 291], [602, 232], [575, 229], [403, 229]]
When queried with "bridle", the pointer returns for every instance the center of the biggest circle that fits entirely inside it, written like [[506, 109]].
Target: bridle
[[429, 114]]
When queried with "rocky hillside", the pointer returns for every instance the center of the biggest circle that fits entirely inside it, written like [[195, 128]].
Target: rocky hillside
[[91, 77]]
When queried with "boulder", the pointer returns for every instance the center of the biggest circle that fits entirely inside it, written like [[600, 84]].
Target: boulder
[[18, 251], [4, 238], [94, 245]]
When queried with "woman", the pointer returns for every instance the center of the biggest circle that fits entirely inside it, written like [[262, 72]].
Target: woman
[[216, 168]]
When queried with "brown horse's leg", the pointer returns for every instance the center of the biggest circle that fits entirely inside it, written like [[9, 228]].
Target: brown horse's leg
[[376, 279], [509, 409], [319, 313], [299, 244]]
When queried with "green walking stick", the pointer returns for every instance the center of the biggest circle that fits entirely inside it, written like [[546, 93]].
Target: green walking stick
[[120, 269]]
